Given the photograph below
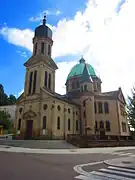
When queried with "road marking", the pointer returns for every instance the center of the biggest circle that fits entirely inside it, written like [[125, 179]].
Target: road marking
[[113, 176], [132, 155], [126, 154], [109, 173], [117, 172], [121, 169]]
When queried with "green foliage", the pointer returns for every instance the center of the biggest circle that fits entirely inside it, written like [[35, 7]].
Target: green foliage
[[5, 120], [131, 109], [4, 99]]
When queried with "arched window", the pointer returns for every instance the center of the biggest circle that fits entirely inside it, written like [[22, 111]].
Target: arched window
[[20, 110], [49, 82], [42, 47], [101, 125], [95, 107], [85, 88], [58, 108], [58, 123], [49, 50], [73, 85], [106, 107], [84, 114], [124, 128], [19, 124], [94, 86], [45, 81], [35, 49], [30, 82], [44, 122], [77, 84], [67, 87], [68, 124], [107, 125], [100, 108], [34, 82], [84, 103], [96, 125], [77, 125]]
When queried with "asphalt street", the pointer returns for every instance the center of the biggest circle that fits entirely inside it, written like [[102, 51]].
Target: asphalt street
[[22, 166]]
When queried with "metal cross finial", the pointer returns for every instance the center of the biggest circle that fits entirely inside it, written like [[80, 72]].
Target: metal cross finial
[[44, 20]]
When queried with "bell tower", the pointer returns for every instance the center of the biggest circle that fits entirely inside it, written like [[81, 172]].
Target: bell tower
[[42, 41], [40, 67]]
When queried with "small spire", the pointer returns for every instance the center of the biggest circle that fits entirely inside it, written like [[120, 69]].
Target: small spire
[[44, 20]]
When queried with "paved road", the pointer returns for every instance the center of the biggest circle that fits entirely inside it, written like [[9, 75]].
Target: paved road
[[20, 166]]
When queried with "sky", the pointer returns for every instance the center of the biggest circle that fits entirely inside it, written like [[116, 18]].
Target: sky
[[102, 31]]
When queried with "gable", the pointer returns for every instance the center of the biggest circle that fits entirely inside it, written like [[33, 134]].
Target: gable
[[36, 59], [121, 96]]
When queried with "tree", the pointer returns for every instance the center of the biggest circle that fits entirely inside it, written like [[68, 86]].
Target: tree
[[4, 99], [5, 120], [11, 99], [131, 109]]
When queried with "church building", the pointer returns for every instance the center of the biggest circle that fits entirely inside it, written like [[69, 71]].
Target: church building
[[84, 109]]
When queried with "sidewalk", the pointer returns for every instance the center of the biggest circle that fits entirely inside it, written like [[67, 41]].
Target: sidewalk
[[6, 148], [128, 162]]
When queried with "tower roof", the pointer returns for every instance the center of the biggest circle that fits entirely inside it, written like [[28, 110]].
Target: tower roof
[[43, 30]]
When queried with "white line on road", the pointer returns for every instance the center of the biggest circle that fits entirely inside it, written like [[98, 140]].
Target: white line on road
[[117, 172], [113, 176], [125, 154], [122, 169]]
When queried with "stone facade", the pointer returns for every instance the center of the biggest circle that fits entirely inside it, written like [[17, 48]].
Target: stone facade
[[83, 110]]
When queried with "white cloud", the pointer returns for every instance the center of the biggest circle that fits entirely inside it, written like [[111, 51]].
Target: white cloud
[[22, 53], [22, 38], [105, 38], [58, 12], [61, 75], [40, 16]]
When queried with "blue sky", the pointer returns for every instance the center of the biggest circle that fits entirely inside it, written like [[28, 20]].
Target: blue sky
[[101, 31], [17, 15]]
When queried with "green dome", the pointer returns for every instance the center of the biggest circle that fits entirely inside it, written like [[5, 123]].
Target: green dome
[[77, 70]]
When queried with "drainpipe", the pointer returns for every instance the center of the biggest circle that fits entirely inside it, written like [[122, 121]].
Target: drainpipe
[[73, 120], [64, 124]]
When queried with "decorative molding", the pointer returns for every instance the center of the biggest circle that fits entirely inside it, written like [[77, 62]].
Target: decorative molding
[[29, 114]]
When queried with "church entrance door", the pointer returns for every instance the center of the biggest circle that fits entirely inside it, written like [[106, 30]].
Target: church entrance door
[[29, 126], [102, 134]]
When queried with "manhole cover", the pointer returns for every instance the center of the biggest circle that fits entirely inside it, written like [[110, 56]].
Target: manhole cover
[[126, 162]]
